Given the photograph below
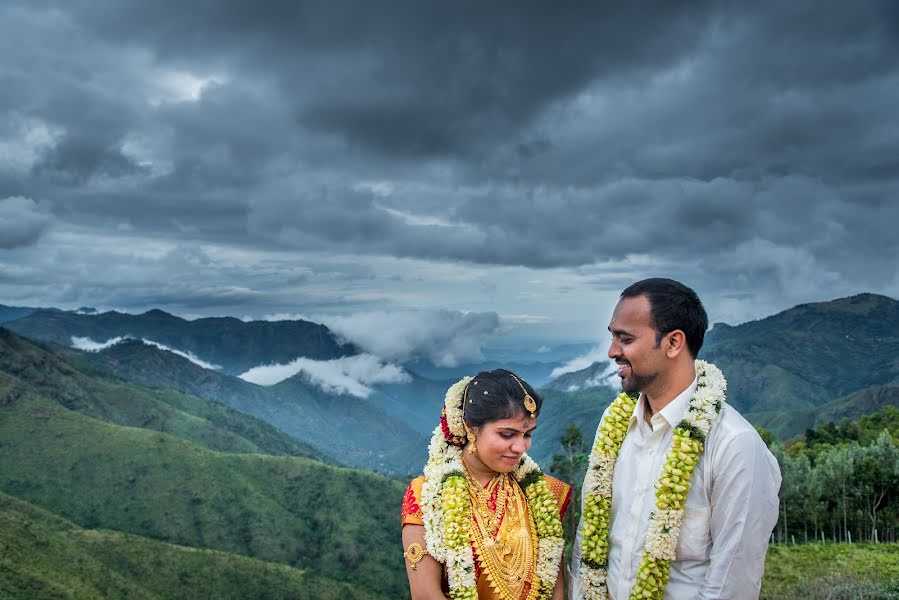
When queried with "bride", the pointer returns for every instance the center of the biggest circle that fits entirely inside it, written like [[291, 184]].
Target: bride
[[484, 522]]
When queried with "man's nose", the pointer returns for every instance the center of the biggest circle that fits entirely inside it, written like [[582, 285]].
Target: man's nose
[[614, 350]]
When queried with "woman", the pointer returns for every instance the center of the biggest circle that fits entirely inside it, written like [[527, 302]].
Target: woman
[[484, 522]]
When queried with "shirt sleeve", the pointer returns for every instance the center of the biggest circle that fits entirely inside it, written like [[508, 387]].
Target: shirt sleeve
[[745, 483], [411, 513]]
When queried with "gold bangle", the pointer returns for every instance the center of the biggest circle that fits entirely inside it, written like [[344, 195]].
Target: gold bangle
[[414, 553]]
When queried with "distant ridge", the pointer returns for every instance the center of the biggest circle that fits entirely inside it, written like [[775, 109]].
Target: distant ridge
[[354, 431], [234, 344], [11, 313], [808, 355]]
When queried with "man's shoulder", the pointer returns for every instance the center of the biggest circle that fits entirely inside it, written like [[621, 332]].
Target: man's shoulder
[[732, 427]]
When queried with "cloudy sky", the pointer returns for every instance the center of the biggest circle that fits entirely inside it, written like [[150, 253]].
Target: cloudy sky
[[500, 168]]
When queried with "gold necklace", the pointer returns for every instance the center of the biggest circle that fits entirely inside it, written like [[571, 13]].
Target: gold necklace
[[507, 560], [499, 485]]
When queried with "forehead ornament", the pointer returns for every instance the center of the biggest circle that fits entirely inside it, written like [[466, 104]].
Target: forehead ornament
[[529, 403]]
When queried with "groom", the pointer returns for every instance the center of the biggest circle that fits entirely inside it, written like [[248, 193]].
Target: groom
[[731, 508]]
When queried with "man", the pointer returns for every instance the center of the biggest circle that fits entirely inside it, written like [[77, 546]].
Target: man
[[731, 508]]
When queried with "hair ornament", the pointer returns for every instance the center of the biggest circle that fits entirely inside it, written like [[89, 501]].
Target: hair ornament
[[529, 403]]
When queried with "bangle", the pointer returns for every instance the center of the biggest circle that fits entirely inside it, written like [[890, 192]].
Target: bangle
[[414, 553]]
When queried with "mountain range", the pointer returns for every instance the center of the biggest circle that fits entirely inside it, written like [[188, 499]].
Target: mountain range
[[810, 364], [104, 453], [234, 346], [786, 372], [134, 471]]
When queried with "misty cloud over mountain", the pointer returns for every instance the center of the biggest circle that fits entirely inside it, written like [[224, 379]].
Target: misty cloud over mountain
[[89, 345], [347, 375], [445, 338]]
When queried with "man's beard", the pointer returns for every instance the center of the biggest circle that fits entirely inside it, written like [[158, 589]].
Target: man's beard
[[636, 382]]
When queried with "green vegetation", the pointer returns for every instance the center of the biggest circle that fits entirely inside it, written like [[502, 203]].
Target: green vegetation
[[560, 410], [44, 556], [841, 481], [26, 366], [355, 430], [783, 370], [835, 571], [103, 453], [336, 522]]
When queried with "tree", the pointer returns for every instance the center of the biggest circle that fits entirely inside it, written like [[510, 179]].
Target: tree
[[570, 466], [837, 471], [877, 476]]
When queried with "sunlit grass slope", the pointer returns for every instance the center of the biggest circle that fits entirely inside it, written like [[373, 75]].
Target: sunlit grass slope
[[835, 571], [79, 387], [45, 556], [335, 522]]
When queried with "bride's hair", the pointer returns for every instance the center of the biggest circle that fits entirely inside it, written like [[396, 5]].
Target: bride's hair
[[495, 395]]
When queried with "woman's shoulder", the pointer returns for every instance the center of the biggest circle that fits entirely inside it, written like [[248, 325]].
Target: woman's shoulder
[[561, 491], [411, 514], [557, 486]]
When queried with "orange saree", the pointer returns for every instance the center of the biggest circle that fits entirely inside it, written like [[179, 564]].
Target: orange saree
[[504, 541]]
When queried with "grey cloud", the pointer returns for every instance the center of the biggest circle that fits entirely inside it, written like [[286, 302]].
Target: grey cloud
[[501, 134], [426, 79], [22, 222], [446, 338]]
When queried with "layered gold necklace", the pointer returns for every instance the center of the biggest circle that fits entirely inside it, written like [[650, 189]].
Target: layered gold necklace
[[507, 557]]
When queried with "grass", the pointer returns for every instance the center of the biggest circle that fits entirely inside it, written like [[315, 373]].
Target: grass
[[336, 522], [832, 571], [45, 556]]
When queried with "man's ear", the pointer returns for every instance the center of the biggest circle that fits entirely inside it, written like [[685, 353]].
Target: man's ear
[[674, 343]]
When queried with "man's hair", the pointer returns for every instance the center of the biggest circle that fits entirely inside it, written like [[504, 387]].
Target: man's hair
[[672, 305]]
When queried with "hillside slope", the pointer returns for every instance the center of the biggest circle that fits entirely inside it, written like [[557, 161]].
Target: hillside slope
[[48, 557], [335, 522], [27, 366], [353, 430]]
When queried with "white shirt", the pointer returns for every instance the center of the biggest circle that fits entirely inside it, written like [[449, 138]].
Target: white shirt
[[730, 512]]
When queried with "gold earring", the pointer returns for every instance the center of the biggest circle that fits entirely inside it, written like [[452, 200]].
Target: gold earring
[[471, 443]]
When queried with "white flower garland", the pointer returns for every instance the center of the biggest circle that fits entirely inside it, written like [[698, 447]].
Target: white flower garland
[[446, 508], [671, 490]]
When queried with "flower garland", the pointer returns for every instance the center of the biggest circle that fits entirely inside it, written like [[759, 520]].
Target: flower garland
[[446, 507], [671, 489]]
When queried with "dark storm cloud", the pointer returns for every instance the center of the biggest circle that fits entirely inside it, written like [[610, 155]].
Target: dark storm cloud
[[419, 79], [760, 145]]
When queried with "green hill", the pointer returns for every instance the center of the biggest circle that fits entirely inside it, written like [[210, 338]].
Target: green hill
[[808, 355], [335, 522], [354, 430], [48, 557], [560, 409], [235, 345], [25, 365]]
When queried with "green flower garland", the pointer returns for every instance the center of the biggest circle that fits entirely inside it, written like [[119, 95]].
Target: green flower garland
[[672, 488], [446, 510]]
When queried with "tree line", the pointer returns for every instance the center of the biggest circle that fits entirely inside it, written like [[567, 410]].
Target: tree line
[[840, 480]]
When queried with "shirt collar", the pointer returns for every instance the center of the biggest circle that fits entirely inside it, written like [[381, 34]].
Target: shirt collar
[[671, 414]]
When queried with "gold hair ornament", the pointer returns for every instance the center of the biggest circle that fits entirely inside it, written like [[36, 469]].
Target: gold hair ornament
[[529, 403], [414, 553]]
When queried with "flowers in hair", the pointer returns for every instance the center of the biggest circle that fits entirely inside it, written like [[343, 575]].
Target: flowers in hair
[[446, 508]]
